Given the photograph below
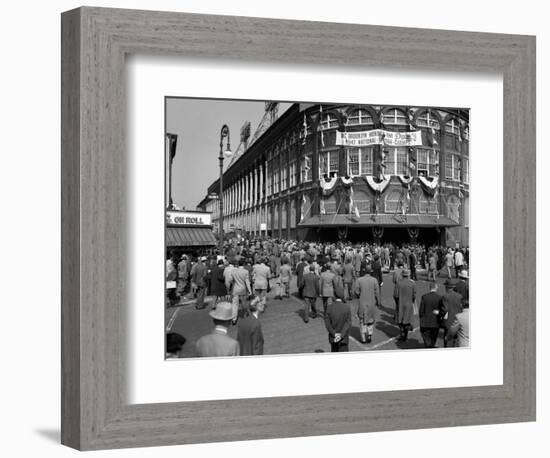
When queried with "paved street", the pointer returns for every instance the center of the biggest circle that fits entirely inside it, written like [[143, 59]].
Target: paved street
[[286, 333]]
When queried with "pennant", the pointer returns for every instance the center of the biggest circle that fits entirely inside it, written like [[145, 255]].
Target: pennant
[[322, 207], [434, 141], [303, 208], [357, 215], [305, 130], [320, 126], [172, 143], [351, 204]]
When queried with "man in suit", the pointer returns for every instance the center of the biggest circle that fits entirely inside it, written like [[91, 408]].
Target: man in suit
[[327, 283], [218, 343], [261, 274], [198, 277], [300, 268], [368, 292], [241, 289], [249, 334], [311, 293], [396, 277], [459, 331], [338, 321], [348, 277], [406, 293], [451, 306], [428, 312], [462, 287]]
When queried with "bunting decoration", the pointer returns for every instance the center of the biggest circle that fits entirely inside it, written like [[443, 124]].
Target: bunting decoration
[[347, 181], [377, 186], [430, 186], [406, 180], [328, 186]]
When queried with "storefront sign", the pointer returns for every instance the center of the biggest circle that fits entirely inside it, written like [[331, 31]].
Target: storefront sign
[[188, 218], [379, 137], [263, 227]]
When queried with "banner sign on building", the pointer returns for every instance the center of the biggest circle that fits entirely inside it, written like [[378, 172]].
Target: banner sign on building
[[178, 218], [379, 137]]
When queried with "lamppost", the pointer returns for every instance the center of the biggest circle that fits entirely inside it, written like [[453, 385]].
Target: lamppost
[[223, 154]]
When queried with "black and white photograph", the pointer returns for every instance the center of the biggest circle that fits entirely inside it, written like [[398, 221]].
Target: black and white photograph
[[300, 227]]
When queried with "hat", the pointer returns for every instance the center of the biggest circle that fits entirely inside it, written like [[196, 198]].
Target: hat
[[223, 311], [183, 256], [204, 258], [405, 273], [463, 274], [449, 283]]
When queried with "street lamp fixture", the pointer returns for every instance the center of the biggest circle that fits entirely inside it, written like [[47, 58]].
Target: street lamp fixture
[[224, 153]]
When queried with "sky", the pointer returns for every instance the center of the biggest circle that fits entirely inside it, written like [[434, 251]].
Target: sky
[[198, 123]]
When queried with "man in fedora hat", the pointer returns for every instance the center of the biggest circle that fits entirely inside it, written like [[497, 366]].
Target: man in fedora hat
[[406, 294], [463, 288], [368, 292], [451, 305], [250, 335], [338, 321], [218, 343]]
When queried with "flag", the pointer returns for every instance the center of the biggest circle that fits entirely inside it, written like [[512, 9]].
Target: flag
[[351, 204], [303, 208], [434, 141], [357, 212], [322, 207], [305, 130], [459, 136], [172, 143], [320, 126]]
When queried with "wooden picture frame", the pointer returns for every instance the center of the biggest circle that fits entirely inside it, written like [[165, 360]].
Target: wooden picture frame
[[95, 413]]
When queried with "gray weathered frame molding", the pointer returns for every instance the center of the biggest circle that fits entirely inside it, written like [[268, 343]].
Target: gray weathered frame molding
[[95, 41]]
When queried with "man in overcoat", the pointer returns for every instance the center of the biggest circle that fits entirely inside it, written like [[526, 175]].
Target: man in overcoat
[[311, 291], [249, 334], [218, 343], [406, 293], [428, 312], [368, 292], [452, 305], [338, 322]]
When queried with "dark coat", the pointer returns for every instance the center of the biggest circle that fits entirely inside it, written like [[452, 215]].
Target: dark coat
[[406, 292], [250, 336], [463, 289], [300, 273], [429, 302], [217, 282], [377, 271], [311, 285], [452, 304], [338, 320]]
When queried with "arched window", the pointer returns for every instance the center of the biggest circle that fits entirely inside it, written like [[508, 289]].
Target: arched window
[[452, 126], [453, 166], [453, 208], [427, 162], [428, 119], [305, 207], [329, 163], [397, 161], [360, 117], [329, 121], [394, 201], [427, 205], [276, 218], [283, 215], [293, 213], [359, 161], [395, 117], [362, 201]]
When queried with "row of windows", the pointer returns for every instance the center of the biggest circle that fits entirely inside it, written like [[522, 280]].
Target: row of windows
[[394, 117]]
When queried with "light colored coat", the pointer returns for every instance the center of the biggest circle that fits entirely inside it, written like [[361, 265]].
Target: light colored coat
[[368, 291], [217, 343]]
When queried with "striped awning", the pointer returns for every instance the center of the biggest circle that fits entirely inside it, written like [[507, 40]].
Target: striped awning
[[190, 236]]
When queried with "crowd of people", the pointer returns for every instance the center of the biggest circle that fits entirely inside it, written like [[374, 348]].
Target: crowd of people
[[239, 279]]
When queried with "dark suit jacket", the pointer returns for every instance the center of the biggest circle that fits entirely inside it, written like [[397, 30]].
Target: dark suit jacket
[[250, 336], [311, 285], [429, 303], [338, 320], [300, 273], [452, 304], [463, 289]]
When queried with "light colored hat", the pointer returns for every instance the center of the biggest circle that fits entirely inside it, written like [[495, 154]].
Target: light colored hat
[[204, 258], [223, 311], [463, 274]]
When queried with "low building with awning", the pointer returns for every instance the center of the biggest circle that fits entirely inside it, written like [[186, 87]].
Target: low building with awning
[[189, 232]]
